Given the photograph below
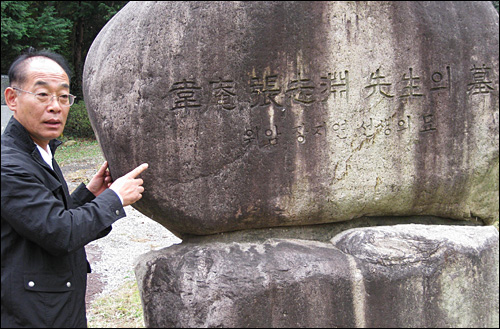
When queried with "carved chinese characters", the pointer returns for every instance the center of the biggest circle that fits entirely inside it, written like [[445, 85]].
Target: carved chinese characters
[[267, 90], [186, 93], [298, 113]]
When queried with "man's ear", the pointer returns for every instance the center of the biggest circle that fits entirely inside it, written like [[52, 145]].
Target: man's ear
[[11, 98]]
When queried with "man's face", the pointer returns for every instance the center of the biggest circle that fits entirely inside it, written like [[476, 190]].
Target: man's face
[[43, 121]]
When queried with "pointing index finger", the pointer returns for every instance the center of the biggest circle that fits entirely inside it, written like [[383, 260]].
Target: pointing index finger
[[103, 168], [137, 171]]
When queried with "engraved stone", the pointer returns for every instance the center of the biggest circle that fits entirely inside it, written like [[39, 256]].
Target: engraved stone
[[265, 114]]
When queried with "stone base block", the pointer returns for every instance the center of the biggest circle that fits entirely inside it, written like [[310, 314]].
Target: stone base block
[[388, 276]]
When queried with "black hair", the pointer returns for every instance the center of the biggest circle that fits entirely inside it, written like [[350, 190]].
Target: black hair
[[17, 69]]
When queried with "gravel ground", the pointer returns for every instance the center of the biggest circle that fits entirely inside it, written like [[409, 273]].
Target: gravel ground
[[114, 256]]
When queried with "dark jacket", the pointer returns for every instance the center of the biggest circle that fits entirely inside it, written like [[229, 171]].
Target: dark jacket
[[44, 231]]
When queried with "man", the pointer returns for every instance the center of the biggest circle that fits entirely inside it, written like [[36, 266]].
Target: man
[[44, 229]]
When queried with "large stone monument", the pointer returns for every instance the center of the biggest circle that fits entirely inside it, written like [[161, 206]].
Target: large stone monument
[[270, 127]]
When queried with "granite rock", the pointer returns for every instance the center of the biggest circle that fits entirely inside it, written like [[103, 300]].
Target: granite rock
[[265, 114], [400, 276]]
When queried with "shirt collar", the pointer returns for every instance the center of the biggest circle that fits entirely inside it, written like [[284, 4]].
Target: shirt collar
[[46, 156]]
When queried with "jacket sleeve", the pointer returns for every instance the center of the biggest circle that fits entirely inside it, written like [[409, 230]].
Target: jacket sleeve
[[81, 196], [34, 211]]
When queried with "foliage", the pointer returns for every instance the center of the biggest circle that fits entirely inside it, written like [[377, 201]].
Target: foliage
[[78, 122], [495, 4], [28, 23], [66, 27]]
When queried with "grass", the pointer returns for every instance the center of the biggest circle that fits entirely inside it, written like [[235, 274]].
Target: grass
[[122, 309], [81, 150]]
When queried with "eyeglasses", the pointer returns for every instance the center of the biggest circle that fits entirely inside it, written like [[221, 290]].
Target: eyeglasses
[[45, 98]]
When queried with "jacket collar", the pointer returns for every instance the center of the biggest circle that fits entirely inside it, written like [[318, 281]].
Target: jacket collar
[[22, 138]]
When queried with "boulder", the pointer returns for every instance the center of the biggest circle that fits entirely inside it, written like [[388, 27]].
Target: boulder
[[266, 114], [425, 275], [388, 276]]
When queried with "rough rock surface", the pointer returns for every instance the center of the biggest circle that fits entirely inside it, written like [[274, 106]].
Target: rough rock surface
[[389, 276], [296, 113]]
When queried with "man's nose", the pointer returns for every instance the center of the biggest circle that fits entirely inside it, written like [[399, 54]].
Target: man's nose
[[54, 105]]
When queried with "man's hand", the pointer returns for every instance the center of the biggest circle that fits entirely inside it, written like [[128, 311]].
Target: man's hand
[[129, 187], [101, 181]]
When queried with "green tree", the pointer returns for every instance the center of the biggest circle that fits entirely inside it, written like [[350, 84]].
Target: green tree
[[31, 24], [14, 27], [495, 4], [88, 18], [66, 27]]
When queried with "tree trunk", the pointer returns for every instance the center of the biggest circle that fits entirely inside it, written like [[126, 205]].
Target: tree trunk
[[78, 55]]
